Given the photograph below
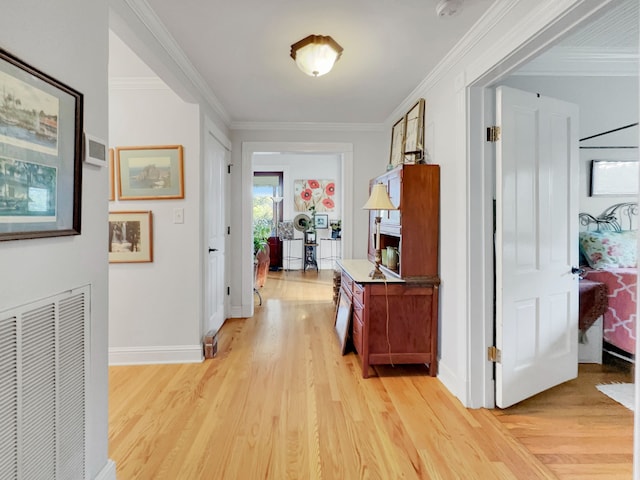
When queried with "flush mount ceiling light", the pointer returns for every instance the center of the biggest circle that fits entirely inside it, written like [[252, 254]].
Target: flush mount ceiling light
[[448, 8], [316, 54]]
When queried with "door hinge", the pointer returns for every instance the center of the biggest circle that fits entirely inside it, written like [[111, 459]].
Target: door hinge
[[228, 290], [494, 355], [493, 134]]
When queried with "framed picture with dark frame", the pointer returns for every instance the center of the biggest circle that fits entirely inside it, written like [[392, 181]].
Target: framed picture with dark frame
[[614, 177], [40, 153], [397, 142], [322, 221], [130, 237], [150, 172], [414, 138]]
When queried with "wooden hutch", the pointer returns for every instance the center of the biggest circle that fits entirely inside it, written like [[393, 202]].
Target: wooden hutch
[[395, 320]]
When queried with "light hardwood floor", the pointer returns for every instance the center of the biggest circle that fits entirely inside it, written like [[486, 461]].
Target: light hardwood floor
[[280, 402]]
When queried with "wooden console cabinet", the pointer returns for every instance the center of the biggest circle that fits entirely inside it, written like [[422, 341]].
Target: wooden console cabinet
[[405, 332], [395, 321]]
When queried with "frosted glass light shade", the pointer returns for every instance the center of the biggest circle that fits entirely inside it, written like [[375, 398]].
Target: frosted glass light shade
[[315, 55], [379, 199]]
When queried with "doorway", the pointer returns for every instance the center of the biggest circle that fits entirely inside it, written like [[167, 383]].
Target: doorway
[[481, 169], [344, 151]]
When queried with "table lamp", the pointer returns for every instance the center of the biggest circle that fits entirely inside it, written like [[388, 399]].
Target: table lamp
[[378, 200]]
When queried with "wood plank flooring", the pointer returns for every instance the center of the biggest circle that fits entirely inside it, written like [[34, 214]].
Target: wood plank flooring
[[280, 402]]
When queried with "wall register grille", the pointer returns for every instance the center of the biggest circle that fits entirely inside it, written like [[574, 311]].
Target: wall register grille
[[43, 364]]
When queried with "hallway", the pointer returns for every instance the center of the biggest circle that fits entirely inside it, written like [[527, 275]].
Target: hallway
[[279, 401]]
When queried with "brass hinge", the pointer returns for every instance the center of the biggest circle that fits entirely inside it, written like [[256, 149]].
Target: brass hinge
[[493, 134], [494, 355]]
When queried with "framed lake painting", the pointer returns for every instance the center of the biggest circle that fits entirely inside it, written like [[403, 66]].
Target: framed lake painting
[[40, 153], [150, 173]]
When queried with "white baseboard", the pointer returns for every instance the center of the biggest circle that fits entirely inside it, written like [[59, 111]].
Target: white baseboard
[[450, 380], [108, 472], [154, 355], [236, 312]]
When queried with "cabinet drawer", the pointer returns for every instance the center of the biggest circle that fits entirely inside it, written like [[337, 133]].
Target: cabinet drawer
[[358, 293], [357, 334], [347, 283]]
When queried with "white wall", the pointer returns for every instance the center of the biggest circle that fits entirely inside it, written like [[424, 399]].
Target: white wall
[[33, 269], [605, 103], [155, 309]]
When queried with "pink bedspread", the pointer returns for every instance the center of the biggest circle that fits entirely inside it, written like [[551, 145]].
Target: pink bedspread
[[620, 317]]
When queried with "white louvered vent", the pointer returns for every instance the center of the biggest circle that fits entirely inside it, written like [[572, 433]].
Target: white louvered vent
[[43, 362]]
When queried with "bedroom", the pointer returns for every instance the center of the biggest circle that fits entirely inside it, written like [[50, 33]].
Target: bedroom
[[606, 93]]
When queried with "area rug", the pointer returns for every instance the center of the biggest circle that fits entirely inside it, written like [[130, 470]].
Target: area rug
[[622, 393]]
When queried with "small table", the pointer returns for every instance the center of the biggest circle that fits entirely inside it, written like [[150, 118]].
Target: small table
[[310, 256], [334, 250], [286, 261]]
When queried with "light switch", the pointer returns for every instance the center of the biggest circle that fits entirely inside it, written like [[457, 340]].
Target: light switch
[[178, 215]]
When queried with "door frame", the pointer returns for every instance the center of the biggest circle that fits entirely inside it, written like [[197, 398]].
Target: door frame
[[343, 150], [481, 78], [210, 129]]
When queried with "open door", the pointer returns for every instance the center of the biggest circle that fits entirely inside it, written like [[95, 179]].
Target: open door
[[536, 244]]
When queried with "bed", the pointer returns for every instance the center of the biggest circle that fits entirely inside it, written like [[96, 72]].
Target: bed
[[608, 249]]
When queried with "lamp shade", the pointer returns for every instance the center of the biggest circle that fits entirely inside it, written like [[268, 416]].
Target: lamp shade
[[379, 199], [315, 55]]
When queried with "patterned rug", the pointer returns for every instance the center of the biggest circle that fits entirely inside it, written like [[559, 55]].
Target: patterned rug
[[622, 393]]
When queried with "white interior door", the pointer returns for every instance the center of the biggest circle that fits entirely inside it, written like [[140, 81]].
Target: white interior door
[[215, 194], [536, 244]]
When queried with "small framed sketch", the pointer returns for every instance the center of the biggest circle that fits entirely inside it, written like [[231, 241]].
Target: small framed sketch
[[130, 237], [322, 221], [397, 142], [414, 137], [150, 173]]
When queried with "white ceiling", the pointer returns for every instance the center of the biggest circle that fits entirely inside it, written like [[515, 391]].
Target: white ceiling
[[240, 52]]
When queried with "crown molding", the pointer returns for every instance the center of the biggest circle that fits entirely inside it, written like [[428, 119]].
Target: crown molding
[[137, 83], [310, 126], [155, 26], [478, 31], [583, 61]]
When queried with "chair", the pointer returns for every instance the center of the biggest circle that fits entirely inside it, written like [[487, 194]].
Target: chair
[[261, 268]]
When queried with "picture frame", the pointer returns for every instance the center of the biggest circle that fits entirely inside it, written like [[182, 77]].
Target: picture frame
[[413, 147], [343, 320], [322, 221], [310, 238], [614, 178], [150, 172], [41, 148], [398, 132], [111, 167], [130, 237]]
